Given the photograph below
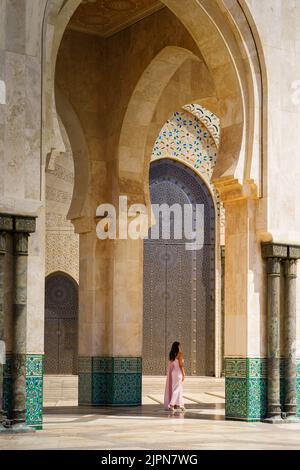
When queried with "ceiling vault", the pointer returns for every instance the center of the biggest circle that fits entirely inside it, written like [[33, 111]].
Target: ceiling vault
[[107, 17]]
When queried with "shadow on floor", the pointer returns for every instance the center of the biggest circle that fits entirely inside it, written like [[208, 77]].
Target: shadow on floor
[[193, 411]]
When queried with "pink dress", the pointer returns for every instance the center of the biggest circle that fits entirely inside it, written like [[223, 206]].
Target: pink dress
[[174, 389]]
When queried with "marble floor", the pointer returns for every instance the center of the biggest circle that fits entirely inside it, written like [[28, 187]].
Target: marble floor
[[149, 427]]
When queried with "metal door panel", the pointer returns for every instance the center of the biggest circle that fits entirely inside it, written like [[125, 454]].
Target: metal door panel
[[179, 300], [154, 348], [67, 346], [188, 282], [51, 346], [61, 319]]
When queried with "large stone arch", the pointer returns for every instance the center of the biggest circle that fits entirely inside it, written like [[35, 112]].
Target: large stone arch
[[217, 28], [56, 17], [80, 155], [134, 137]]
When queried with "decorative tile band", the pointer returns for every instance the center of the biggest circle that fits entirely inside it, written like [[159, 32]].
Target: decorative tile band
[[246, 388], [34, 389], [115, 381]]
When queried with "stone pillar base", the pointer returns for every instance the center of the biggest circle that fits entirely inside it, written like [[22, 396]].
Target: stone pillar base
[[19, 428], [291, 420], [274, 420], [246, 389], [110, 381], [34, 390]]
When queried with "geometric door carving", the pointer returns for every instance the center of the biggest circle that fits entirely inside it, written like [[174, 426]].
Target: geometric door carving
[[179, 285], [61, 324]]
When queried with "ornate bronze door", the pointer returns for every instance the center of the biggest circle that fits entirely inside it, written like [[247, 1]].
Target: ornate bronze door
[[179, 285], [61, 320]]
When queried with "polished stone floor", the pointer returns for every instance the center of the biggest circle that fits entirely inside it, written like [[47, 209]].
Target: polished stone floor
[[149, 427]]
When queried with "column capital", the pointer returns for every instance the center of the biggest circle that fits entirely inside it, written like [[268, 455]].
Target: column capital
[[2, 243], [24, 224], [294, 252], [290, 268], [84, 224], [6, 223], [231, 189], [274, 250], [274, 267], [21, 243]]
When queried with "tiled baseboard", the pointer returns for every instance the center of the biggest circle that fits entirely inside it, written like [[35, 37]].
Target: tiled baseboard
[[34, 389], [115, 381], [246, 388]]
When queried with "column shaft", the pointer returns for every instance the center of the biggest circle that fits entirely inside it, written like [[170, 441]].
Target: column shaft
[[2, 344], [273, 271], [290, 338], [223, 309], [20, 328]]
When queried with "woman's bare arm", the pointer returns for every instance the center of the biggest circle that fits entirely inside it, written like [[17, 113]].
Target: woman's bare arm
[[181, 361]]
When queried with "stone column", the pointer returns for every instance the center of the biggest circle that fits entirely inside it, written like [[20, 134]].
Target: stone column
[[290, 404], [2, 348], [23, 227], [6, 224], [273, 254], [223, 308]]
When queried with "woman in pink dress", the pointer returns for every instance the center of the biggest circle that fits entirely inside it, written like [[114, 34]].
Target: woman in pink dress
[[175, 378]]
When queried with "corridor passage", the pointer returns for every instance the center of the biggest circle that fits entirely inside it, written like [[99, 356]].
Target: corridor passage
[[149, 427]]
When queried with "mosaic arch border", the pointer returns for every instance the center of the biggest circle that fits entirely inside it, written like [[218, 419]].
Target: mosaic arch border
[[207, 118], [211, 123]]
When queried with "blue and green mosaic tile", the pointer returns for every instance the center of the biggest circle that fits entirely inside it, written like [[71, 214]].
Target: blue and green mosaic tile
[[115, 381], [246, 388], [34, 389]]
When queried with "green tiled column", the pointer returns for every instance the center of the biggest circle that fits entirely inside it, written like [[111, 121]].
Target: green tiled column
[[2, 352], [245, 388], [298, 388], [34, 389], [114, 381], [6, 225]]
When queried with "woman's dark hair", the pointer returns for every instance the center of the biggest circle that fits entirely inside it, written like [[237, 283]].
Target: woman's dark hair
[[174, 351]]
